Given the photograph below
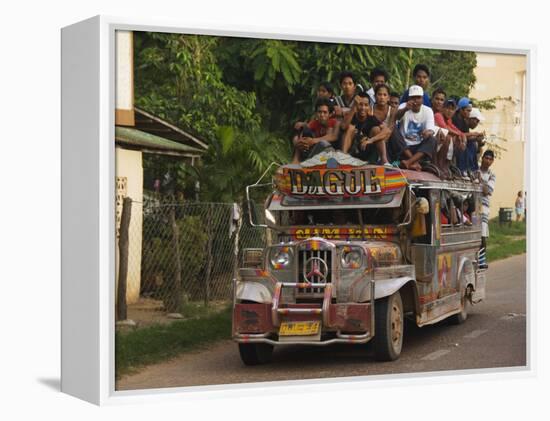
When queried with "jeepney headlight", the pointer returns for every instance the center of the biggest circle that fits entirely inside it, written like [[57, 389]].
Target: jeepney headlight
[[351, 258], [280, 257]]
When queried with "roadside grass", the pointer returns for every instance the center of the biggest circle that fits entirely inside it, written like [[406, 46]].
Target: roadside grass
[[505, 240], [134, 349]]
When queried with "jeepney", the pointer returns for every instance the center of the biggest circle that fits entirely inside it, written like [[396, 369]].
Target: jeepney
[[356, 248]]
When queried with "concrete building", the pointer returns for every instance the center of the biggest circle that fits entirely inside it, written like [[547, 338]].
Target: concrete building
[[138, 132], [503, 76]]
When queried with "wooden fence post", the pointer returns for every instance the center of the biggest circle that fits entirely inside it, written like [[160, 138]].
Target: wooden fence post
[[174, 303], [123, 247], [208, 256]]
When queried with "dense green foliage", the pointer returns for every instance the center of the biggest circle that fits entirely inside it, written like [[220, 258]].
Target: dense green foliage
[[243, 95]]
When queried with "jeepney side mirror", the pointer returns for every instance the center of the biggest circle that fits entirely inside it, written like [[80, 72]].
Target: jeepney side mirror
[[253, 215]]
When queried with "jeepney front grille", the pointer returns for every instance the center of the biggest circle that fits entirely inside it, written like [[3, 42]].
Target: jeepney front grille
[[305, 260]]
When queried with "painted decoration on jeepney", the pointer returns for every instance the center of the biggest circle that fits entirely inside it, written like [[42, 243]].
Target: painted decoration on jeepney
[[342, 233], [335, 174], [385, 255], [444, 274]]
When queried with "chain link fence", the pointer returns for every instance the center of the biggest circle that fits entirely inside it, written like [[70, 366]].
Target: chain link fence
[[181, 252]]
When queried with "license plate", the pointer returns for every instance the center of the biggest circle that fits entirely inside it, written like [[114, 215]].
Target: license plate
[[299, 328]]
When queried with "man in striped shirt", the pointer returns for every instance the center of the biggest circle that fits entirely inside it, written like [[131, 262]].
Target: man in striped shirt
[[487, 179]]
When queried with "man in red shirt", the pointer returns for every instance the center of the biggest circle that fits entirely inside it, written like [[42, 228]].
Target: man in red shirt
[[316, 135], [444, 119]]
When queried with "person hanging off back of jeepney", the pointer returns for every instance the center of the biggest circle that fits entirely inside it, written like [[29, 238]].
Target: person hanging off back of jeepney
[[318, 134], [421, 76], [364, 135], [416, 124], [474, 120], [487, 179]]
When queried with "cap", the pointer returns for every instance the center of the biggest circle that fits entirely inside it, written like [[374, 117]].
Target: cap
[[463, 102], [416, 90], [475, 113], [489, 152], [450, 102]]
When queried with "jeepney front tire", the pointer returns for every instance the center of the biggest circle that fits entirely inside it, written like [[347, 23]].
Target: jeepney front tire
[[388, 334], [255, 354]]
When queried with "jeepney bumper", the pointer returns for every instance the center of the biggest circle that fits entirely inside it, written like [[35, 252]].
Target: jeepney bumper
[[312, 324]]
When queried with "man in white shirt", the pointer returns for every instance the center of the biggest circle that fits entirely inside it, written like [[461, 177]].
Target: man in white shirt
[[488, 180], [416, 123]]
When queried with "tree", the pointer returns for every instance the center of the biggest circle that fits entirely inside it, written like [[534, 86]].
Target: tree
[[243, 95]]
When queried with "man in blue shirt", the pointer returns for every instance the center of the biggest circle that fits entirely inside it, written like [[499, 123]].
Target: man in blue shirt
[[466, 160], [421, 75]]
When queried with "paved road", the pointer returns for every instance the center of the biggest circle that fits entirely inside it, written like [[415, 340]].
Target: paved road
[[493, 336]]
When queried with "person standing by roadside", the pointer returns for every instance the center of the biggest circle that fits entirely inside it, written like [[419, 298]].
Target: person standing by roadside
[[487, 179], [520, 206]]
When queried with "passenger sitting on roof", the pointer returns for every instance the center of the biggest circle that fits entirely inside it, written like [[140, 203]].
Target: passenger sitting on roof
[[394, 99], [311, 138], [445, 119], [475, 118], [325, 90], [416, 123], [466, 160], [378, 76], [345, 101], [365, 137], [444, 151], [421, 75]]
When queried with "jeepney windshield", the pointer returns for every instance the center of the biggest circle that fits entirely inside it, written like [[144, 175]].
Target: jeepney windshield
[[341, 217]]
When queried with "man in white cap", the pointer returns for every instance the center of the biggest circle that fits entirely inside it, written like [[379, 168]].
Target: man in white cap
[[416, 124]]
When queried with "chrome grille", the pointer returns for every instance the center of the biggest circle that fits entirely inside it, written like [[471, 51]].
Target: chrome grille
[[307, 259]]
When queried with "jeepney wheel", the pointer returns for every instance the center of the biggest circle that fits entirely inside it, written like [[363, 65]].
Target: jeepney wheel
[[255, 354], [459, 318], [388, 334]]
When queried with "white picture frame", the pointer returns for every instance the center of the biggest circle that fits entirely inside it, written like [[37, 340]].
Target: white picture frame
[[88, 219]]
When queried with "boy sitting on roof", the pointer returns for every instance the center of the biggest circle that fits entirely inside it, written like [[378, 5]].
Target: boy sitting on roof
[[365, 136], [311, 138], [416, 123]]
